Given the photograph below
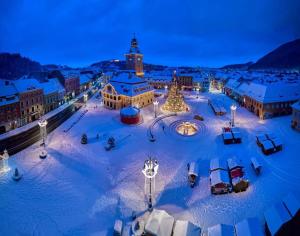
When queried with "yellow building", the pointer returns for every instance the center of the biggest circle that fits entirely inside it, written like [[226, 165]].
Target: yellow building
[[127, 90]]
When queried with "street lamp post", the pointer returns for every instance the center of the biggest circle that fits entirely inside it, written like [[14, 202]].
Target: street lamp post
[[155, 103], [150, 170], [43, 130], [4, 167], [198, 91], [85, 98], [233, 110]]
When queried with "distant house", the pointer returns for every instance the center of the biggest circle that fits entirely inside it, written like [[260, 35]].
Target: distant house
[[185, 81], [296, 116], [53, 94], [9, 106], [264, 100], [31, 99], [69, 79], [85, 81], [125, 90]]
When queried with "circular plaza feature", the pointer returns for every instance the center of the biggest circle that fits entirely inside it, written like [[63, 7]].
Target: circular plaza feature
[[187, 128]]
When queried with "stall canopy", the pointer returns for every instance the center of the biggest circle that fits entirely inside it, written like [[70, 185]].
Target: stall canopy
[[218, 164], [221, 230], [159, 223], [249, 227], [185, 228], [276, 217], [193, 170], [219, 176]]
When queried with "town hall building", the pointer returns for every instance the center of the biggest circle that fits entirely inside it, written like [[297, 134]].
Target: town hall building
[[134, 58], [127, 90]]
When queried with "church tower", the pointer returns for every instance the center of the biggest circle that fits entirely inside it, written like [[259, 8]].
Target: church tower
[[134, 58]]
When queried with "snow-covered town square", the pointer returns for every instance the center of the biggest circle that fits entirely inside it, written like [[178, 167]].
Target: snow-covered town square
[[82, 189]]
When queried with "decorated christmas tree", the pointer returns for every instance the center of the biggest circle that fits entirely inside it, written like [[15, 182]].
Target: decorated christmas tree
[[174, 102]]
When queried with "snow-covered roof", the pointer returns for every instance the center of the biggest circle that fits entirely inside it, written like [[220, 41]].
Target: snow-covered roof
[[249, 227], [232, 84], [236, 134], [69, 72], [292, 204], [219, 176], [277, 142], [267, 144], [233, 163], [24, 84], [7, 88], [185, 228], [130, 85], [217, 163], [271, 136], [159, 223], [129, 111], [227, 135], [221, 230], [261, 137], [276, 216], [51, 86], [127, 79], [255, 162], [269, 93], [8, 93], [193, 169], [85, 78]]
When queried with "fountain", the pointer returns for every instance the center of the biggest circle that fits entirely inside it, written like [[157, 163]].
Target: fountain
[[187, 128]]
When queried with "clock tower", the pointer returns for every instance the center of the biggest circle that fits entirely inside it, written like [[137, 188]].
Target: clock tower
[[134, 58]]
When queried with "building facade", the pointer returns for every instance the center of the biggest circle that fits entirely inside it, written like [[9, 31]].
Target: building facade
[[134, 58], [264, 100], [184, 82], [53, 94], [9, 107], [127, 90], [72, 86], [85, 82], [31, 100]]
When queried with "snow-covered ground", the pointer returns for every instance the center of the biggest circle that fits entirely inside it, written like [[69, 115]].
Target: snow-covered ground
[[81, 189]]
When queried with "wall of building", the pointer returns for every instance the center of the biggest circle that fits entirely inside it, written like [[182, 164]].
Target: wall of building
[[114, 101], [51, 101], [9, 116], [267, 110], [31, 105]]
